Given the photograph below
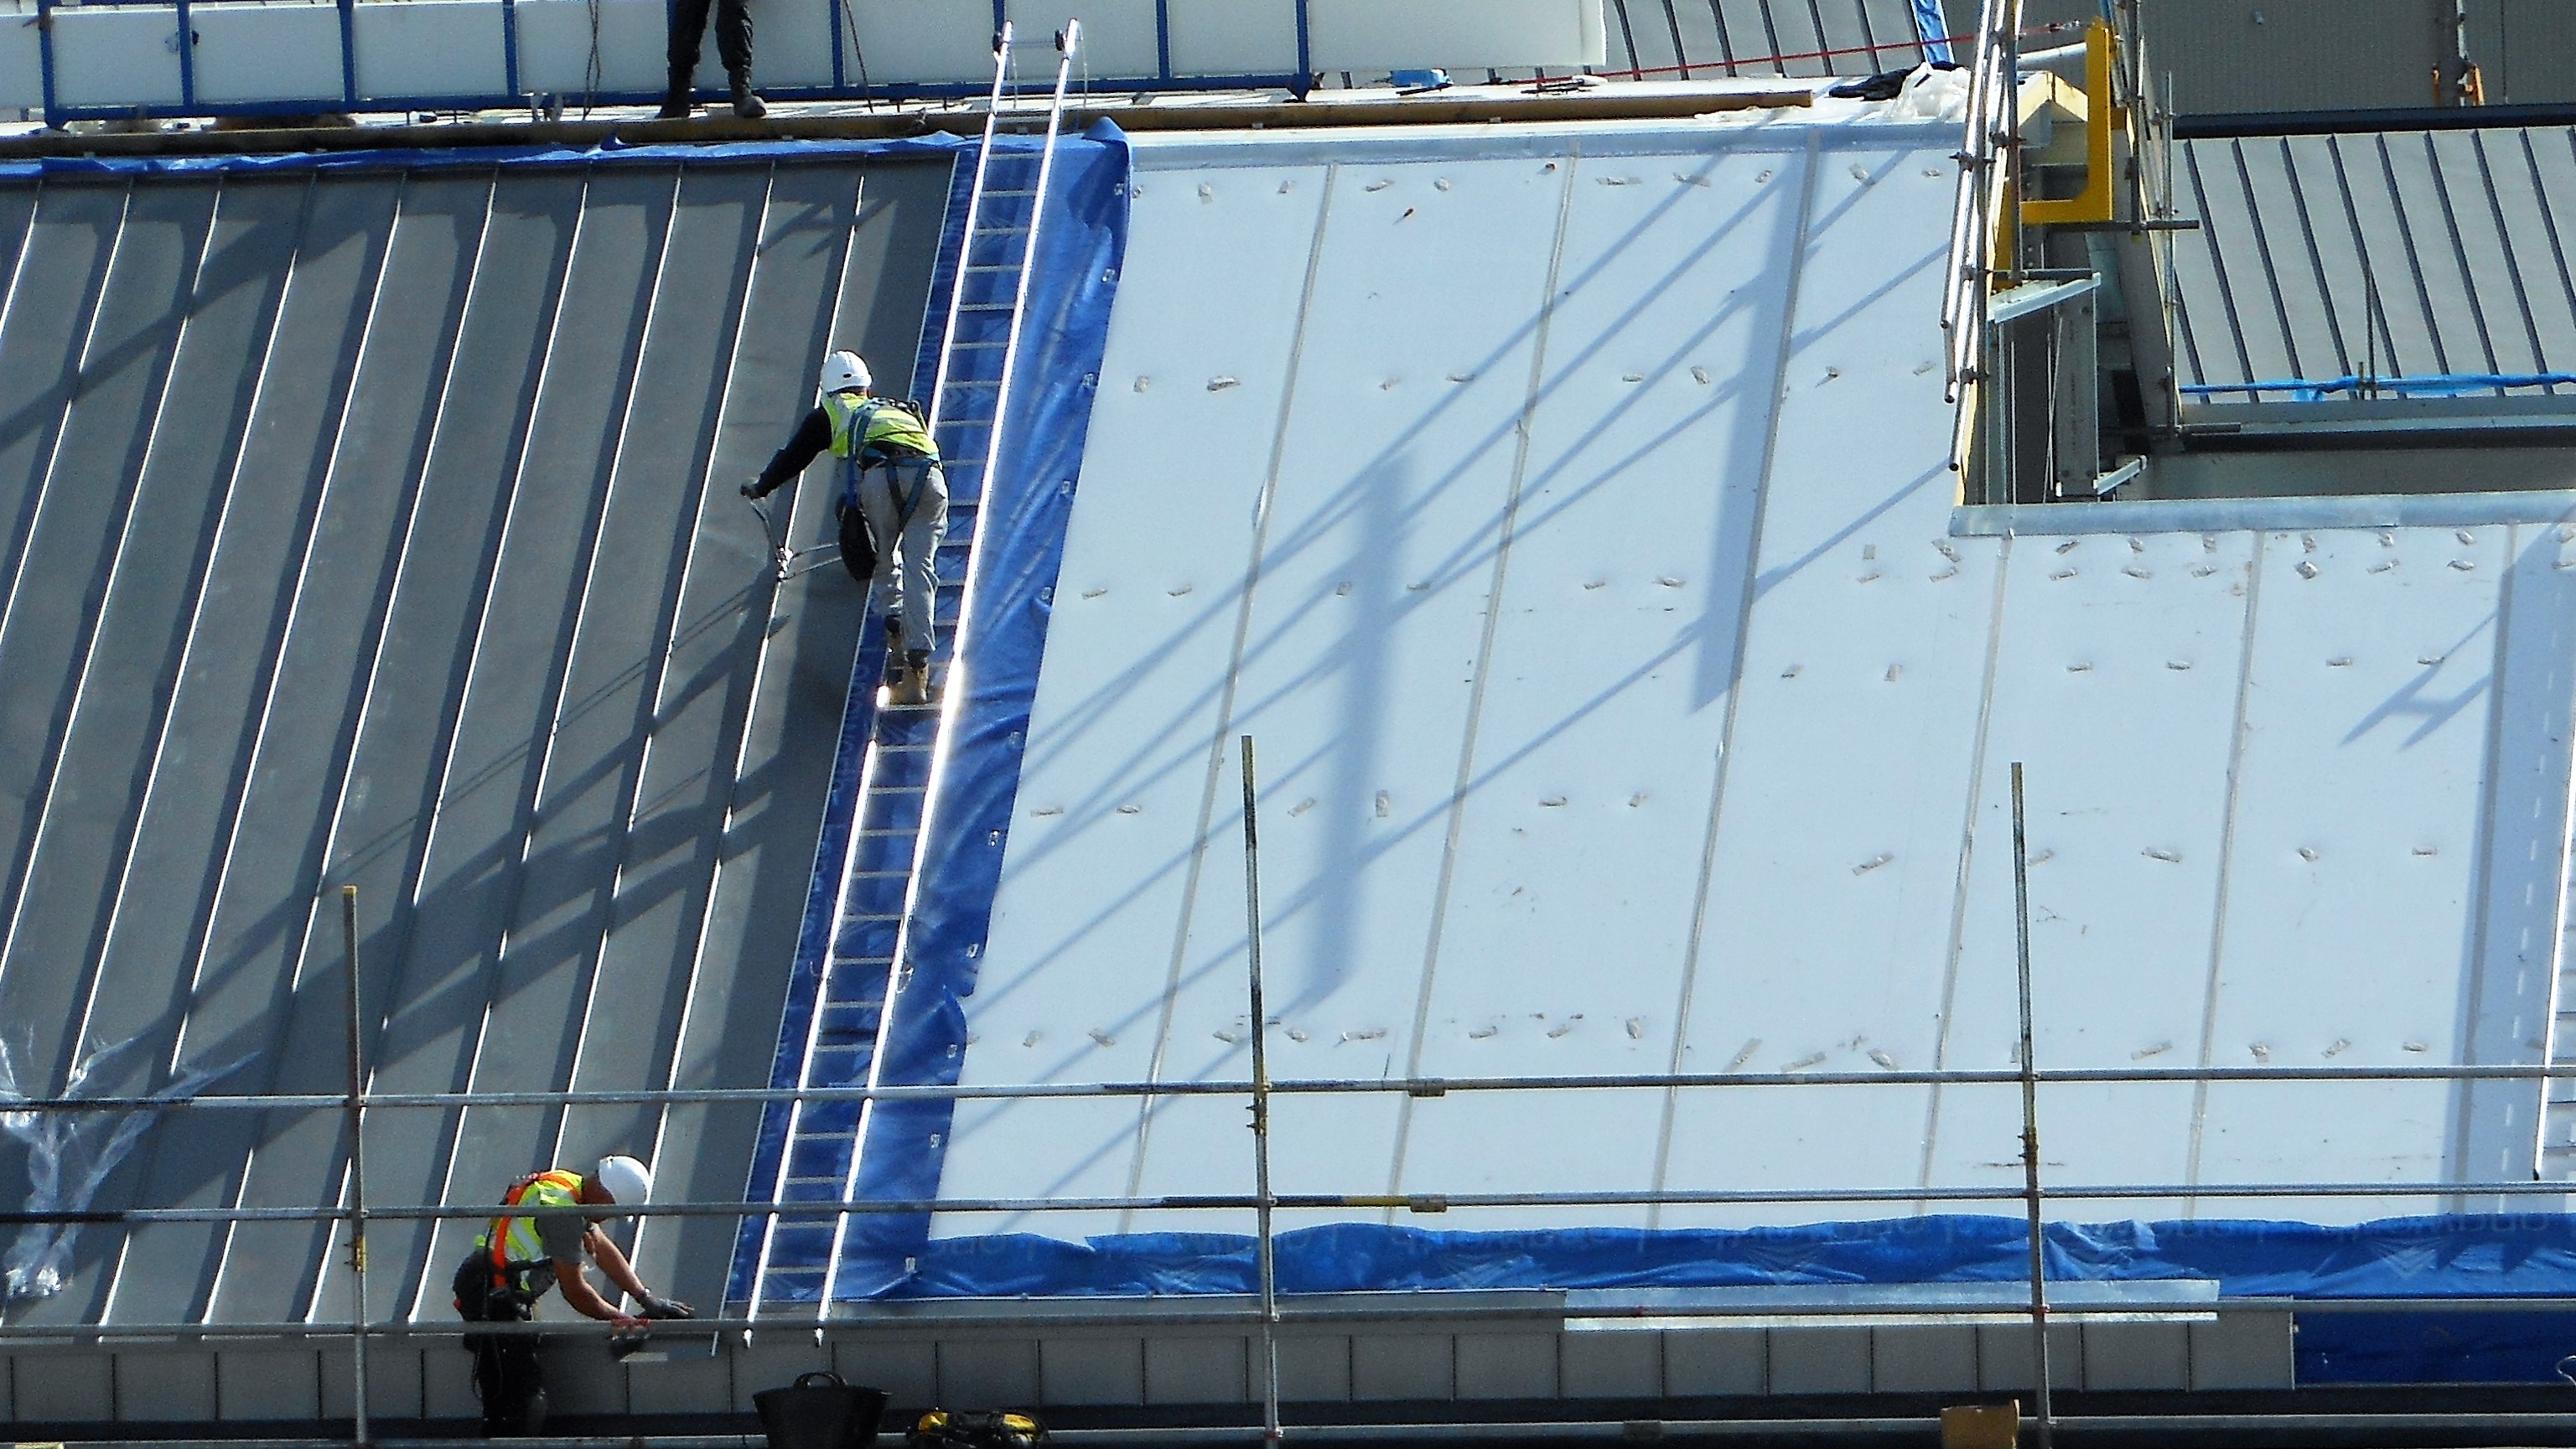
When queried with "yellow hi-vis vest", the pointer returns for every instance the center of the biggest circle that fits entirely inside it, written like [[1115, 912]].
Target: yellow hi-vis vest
[[862, 424], [511, 1242]]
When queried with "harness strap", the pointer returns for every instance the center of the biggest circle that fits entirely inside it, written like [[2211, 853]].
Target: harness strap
[[498, 1240]]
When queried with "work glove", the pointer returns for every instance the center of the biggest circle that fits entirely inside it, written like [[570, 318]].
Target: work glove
[[660, 1307], [753, 490]]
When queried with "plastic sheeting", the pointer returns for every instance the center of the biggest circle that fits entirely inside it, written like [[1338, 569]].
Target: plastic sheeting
[[69, 1157], [1028, 499], [2518, 1255], [2500, 1255], [1934, 27]]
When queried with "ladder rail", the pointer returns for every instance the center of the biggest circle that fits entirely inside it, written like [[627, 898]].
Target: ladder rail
[[974, 210], [1068, 41]]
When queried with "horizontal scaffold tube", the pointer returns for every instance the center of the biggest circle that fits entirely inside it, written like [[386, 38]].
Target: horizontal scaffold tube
[[1409, 1202], [1410, 1086]]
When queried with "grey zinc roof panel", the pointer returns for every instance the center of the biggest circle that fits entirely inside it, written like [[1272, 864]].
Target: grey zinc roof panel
[[1709, 39], [380, 529], [2455, 244]]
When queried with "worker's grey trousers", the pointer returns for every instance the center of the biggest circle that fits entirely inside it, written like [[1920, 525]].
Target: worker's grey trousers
[[907, 538]]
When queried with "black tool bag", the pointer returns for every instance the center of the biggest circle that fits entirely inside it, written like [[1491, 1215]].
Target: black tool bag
[[819, 1411], [858, 548], [976, 1429]]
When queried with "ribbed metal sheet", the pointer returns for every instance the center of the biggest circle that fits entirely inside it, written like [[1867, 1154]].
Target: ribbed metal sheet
[[379, 529], [2400, 254], [1707, 39]]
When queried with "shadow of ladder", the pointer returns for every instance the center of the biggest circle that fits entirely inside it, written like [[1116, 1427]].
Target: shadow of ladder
[[800, 1257]]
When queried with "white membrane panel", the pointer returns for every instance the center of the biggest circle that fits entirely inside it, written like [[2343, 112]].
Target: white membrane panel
[[1563, 510]]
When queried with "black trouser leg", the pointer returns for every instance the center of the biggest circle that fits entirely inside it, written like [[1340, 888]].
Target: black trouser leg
[[506, 1374], [688, 27], [733, 35]]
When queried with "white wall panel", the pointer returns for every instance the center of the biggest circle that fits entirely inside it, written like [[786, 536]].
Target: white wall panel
[[2124, 649], [1836, 855], [1626, 701], [1618, 616], [1125, 752], [125, 55], [430, 48], [2357, 838], [268, 52]]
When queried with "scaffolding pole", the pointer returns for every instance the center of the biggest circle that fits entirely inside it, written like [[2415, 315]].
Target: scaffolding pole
[[1260, 1110], [357, 1170], [2030, 1113]]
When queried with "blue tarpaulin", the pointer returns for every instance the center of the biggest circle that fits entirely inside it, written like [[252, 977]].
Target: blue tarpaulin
[[2431, 1259]]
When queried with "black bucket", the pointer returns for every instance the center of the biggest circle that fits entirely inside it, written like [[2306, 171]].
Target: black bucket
[[819, 1411]]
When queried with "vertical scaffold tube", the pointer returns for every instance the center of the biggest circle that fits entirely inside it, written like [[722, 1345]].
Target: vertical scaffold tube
[[1260, 1110], [357, 1170], [2030, 1112]]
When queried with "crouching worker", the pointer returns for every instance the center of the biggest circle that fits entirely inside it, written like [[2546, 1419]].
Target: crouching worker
[[893, 508], [553, 1225]]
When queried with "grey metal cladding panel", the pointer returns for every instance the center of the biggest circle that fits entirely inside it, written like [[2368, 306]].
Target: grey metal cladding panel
[[868, 277], [2533, 174], [197, 894], [2279, 172], [53, 608], [431, 998], [531, 1023], [82, 881], [428, 641], [395, 699], [674, 721], [566, 952], [2512, 210], [2462, 254], [1751, 32], [2415, 272], [2213, 346], [201, 894]]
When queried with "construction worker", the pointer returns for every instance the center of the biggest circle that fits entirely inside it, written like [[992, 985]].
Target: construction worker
[[540, 1245], [892, 485], [733, 43]]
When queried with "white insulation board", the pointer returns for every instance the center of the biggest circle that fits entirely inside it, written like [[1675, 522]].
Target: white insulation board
[[1565, 515]]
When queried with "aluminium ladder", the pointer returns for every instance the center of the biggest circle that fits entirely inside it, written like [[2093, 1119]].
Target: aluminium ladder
[[799, 1259]]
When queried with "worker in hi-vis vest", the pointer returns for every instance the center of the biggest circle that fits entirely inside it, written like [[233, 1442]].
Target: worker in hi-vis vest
[[552, 1225], [893, 508]]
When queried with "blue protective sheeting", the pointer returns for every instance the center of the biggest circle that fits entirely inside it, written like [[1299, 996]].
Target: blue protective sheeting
[[1934, 28], [2475, 1256], [2526, 1255], [2448, 384], [1073, 278]]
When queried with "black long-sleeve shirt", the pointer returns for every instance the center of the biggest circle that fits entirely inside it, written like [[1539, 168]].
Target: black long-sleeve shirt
[[812, 437]]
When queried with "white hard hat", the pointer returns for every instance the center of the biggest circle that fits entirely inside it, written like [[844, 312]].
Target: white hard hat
[[625, 1179], [844, 371]]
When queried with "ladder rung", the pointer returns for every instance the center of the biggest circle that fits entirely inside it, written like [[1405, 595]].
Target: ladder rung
[[1010, 193], [889, 832], [898, 789], [886, 960], [1001, 230], [991, 267], [984, 307]]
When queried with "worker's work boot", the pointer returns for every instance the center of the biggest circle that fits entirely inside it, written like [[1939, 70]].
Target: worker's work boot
[[681, 99], [914, 688], [747, 103], [894, 652]]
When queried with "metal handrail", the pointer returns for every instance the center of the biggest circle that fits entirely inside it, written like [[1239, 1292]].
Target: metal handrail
[[1984, 163], [1322, 1086]]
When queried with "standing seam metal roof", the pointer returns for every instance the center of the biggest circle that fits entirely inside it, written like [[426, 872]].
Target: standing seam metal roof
[[379, 528], [2455, 246], [1705, 39]]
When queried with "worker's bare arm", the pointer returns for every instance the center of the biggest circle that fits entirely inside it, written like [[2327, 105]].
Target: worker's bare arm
[[585, 1300], [612, 1261]]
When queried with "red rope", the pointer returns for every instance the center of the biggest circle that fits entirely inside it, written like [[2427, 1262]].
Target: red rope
[[2053, 28]]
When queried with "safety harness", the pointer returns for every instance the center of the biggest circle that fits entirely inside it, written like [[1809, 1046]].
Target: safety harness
[[497, 1241]]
